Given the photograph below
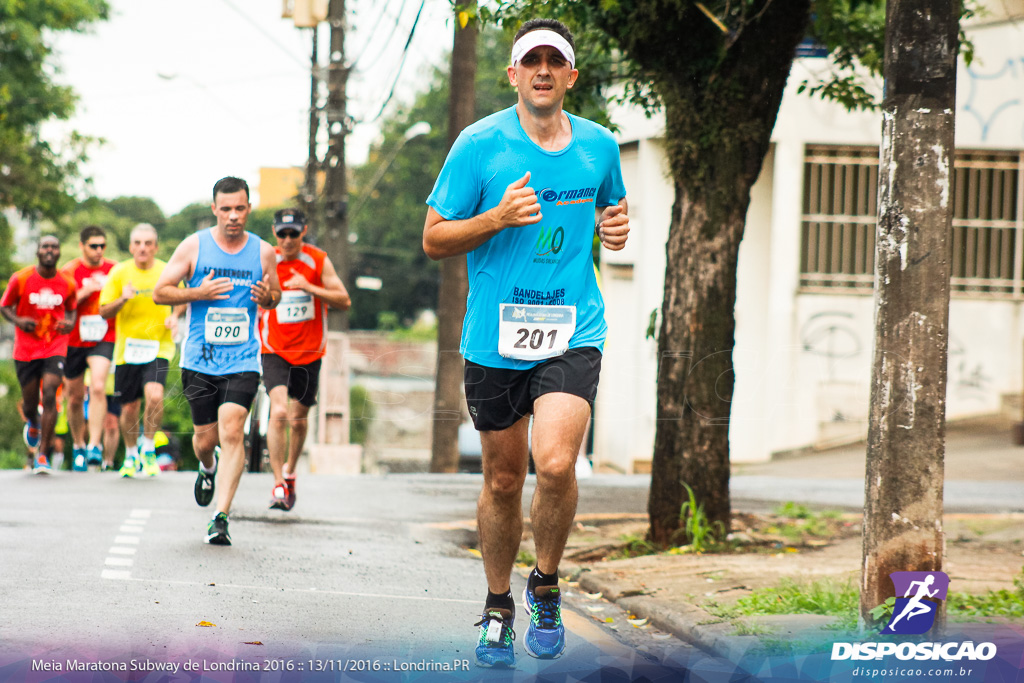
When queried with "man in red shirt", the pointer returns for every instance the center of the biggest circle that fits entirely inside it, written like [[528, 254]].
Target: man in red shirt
[[293, 338], [39, 300], [90, 346]]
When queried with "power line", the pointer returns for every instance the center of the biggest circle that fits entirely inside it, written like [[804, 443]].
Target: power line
[[405, 52], [398, 18], [373, 31], [267, 35]]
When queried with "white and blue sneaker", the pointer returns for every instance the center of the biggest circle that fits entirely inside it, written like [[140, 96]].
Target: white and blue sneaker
[[545, 636], [494, 650], [94, 456], [31, 435], [78, 462]]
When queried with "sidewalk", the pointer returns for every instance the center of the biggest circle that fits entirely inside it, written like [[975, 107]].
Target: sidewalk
[[983, 549]]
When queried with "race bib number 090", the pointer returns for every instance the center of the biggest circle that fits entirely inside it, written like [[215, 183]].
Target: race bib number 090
[[533, 332], [227, 325]]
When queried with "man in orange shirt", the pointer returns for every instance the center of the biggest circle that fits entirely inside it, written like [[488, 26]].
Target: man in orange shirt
[[293, 338], [90, 346], [40, 301]]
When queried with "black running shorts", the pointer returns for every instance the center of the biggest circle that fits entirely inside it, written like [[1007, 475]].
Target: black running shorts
[[499, 397], [28, 370], [206, 393], [77, 362], [130, 380], [303, 381]]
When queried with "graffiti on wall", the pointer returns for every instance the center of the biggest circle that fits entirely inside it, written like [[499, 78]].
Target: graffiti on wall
[[986, 109]]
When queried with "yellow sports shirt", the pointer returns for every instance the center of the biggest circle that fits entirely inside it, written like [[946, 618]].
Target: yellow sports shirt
[[139, 320]]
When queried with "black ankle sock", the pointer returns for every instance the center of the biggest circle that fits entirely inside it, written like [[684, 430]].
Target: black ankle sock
[[539, 578], [501, 600]]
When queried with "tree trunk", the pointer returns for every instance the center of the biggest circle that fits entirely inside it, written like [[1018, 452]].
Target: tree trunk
[[717, 134], [451, 309], [906, 429]]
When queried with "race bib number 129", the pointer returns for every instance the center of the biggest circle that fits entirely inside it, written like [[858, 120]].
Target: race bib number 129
[[535, 332]]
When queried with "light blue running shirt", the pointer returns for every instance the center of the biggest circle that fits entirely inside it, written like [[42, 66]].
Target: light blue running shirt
[[221, 336], [549, 264]]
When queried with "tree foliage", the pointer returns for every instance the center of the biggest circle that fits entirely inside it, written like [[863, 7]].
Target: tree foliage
[[37, 175], [389, 220]]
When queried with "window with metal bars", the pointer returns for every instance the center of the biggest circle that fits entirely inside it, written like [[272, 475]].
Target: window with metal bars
[[840, 209]]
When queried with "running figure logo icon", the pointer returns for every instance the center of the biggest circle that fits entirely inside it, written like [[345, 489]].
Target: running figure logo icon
[[914, 613]]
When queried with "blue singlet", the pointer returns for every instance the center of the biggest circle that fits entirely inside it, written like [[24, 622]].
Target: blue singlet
[[549, 263], [215, 330]]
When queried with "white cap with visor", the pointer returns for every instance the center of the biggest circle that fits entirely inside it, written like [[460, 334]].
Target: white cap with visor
[[542, 37]]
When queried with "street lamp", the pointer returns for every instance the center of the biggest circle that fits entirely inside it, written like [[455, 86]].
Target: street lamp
[[415, 130]]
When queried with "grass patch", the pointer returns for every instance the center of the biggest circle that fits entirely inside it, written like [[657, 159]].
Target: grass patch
[[824, 596], [526, 558], [842, 600], [635, 546], [12, 459], [751, 628]]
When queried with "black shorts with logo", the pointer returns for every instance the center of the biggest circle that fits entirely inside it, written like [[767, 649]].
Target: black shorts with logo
[[28, 370], [302, 381], [130, 380], [500, 397], [206, 393], [77, 362]]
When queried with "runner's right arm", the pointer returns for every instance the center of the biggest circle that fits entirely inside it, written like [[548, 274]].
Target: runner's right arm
[[25, 324], [443, 238], [166, 292]]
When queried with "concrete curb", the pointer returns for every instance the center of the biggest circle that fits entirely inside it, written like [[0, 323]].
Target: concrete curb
[[683, 620]]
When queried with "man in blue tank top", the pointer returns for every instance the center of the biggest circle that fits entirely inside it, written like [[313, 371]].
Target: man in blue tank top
[[229, 271], [534, 326]]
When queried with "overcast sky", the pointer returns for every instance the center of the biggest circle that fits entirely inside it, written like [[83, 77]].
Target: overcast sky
[[189, 91]]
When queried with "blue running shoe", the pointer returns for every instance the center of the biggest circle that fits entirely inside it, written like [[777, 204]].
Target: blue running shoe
[[41, 464], [78, 463], [496, 635], [94, 456], [31, 435], [545, 636]]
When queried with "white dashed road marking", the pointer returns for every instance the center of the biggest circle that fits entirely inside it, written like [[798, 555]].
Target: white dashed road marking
[[129, 532]]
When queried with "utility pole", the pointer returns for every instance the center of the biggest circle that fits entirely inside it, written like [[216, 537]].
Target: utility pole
[[907, 422], [451, 305], [312, 165], [335, 234]]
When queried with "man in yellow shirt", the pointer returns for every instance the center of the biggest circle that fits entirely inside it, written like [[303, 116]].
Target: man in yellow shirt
[[144, 349]]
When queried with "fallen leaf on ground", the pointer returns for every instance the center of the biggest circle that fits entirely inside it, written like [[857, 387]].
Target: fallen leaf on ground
[[205, 623], [252, 642]]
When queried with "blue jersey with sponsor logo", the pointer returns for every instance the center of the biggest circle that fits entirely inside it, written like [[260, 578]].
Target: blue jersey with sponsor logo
[[221, 335], [549, 263]]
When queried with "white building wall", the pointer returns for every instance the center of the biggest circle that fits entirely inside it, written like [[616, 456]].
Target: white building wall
[[802, 360]]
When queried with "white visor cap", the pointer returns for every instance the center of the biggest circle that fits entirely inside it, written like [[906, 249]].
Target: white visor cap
[[542, 37]]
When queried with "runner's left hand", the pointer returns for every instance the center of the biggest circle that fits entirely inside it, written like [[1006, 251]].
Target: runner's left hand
[[261, 293], [613, 227]]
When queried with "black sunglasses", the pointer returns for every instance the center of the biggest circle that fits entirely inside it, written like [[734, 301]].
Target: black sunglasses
[[288, 234], [101, 245]]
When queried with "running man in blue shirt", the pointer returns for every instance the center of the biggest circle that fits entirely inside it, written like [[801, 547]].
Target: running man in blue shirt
[[228, 271], [522, 193]]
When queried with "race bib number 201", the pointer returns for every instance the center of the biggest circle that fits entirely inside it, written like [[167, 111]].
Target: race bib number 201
[[534, 332]]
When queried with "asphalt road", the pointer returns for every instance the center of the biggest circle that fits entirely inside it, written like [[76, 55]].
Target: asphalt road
[[364, 580]]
